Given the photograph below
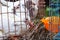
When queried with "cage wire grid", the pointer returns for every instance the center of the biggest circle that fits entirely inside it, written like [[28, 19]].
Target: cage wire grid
[[9, 14], [10, 17]]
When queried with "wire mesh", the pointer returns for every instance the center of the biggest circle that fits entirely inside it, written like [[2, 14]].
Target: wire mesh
[[8, 17], [13, 15]]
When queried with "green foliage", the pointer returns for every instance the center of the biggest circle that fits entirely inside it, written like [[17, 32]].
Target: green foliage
[[51, 12]]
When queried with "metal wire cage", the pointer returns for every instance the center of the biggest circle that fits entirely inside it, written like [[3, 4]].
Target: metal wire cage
[[13, 14], [12, 17], [10, 22]]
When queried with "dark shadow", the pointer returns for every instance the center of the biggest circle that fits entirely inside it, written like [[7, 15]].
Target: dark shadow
[[47, 2], [11, 0]]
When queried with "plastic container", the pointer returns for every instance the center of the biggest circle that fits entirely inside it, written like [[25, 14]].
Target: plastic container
[[52, 12], [57, 36]]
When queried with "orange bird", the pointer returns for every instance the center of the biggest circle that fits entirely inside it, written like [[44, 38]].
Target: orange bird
[[52, 23]]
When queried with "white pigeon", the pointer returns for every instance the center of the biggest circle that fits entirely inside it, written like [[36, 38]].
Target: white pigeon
[[4, 19], [35, 11]]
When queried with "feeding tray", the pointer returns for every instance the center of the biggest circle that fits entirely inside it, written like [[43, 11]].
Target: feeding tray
[[57, 36], [12, 0]]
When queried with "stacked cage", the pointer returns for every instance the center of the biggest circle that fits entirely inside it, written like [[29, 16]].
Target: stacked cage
[[53, 12]]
